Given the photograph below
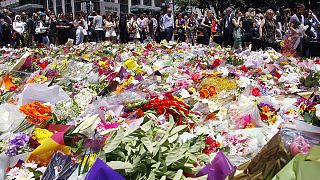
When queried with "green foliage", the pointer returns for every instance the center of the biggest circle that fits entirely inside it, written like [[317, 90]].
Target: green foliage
[[312, 80], [151, 151]]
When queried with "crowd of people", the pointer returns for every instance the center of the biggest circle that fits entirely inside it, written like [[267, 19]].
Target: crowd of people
[[282, 30]]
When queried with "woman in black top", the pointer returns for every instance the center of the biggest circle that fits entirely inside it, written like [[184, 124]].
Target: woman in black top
[[206, 24], [53, 29], [247, 27], [63, 30]]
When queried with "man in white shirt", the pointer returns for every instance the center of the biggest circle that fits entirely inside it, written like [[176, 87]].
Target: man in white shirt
[[98, 26], [168, 24]]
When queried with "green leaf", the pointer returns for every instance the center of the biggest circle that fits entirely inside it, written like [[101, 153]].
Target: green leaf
[[165, 137], [156, 166], [147, 143], [114, 143], [175, 155], [307, 117], [178, 129], [171, 122], [178, 176], [173, 138], [146, 126], [152, 176], [117, 165], [203, 158], [205, 177], [192, 157], [130, 131], [155, 150], [163, 178]]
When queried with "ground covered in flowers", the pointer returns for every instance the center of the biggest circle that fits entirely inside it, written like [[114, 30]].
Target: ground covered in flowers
[[154, 111]]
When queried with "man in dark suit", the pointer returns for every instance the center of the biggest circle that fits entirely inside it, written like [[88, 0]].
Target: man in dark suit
[[227, 28]]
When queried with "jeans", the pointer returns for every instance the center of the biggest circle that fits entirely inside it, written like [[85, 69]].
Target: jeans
[[45, 40], [168, 32]]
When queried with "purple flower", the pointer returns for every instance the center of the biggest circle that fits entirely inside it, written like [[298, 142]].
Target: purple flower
[[19, 141], [51, 73]]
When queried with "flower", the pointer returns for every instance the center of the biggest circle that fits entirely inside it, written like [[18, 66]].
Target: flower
[[211, 145], [36, 112], [41, 135], [18, 142], [299, 145], [51, 73], [256, 92]]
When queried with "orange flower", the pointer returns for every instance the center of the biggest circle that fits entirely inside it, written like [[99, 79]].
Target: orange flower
[[212, 90], [36, 112], [204, 93]]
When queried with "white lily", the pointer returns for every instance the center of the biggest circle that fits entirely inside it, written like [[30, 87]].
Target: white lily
[[88, 125]]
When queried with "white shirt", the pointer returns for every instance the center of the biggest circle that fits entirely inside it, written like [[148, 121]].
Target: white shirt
[[18, 26], [168, 21]]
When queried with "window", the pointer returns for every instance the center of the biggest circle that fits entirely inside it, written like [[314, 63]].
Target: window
[[147, 2]]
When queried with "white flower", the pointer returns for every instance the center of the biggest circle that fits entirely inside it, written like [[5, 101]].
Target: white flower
[[223, 70], [25, 174], [31, 165], [317, 110], [13, 173], [42, 169], [243, 81], [88, 125]]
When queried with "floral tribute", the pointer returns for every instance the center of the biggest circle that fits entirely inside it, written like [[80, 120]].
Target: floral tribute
[[154, 111]]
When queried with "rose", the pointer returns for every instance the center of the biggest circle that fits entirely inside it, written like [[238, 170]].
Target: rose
[[255, 92]]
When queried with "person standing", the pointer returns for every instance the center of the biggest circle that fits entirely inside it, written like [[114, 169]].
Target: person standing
[[62, 29], [79, 33], [267, 30], [206, 24], [168, 25], [192, 25], [110, 28], [133, 29], [18, 27], [293, 40], [42, 30], [237, 25], [98, 26], [181, 27], [123, 29], [227, 28], [53, 29], [247, 27]]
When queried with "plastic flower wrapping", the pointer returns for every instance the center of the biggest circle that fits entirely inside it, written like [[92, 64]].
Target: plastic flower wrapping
[[155, 111]]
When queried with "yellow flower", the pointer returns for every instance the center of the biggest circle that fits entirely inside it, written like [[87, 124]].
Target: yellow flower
[[130, 64], [40, 79], [41, 135], [192, 89], [177, 98]]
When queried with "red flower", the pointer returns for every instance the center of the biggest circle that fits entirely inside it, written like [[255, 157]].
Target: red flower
[[278, 75], [244, 68], [209, 140], [256, 92], [263, 117], [216, 62], [43, 65], [149, 46]]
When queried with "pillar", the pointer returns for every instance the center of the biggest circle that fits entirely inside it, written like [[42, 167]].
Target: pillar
[[129, 6], [73, 8], [54, 6], [141, 2], [152, 3], [63, 3]]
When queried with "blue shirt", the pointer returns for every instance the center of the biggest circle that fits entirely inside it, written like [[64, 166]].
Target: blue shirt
[[168, 21]]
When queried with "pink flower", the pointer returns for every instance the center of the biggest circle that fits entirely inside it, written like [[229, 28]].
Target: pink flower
[[299, 145]]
